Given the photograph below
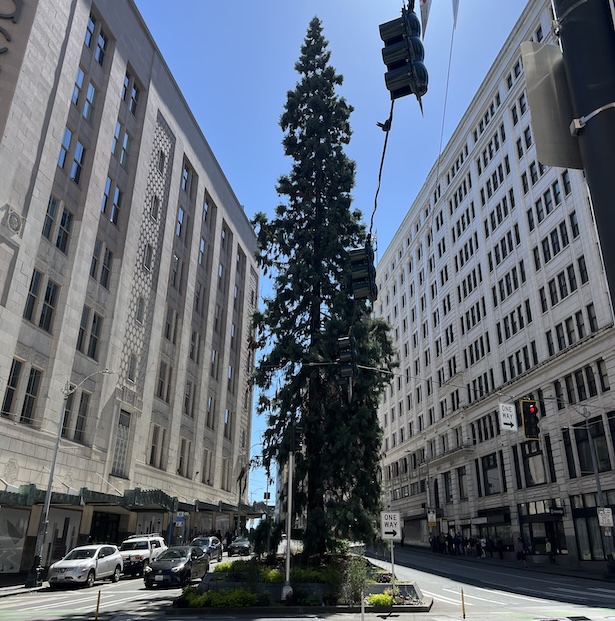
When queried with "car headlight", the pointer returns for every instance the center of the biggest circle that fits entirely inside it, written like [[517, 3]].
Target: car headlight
[[177, 569]]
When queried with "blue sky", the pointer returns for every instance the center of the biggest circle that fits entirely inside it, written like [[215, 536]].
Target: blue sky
[[234, 63]]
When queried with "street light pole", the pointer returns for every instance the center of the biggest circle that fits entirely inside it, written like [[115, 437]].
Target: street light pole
[[607, 538], [34, 574]]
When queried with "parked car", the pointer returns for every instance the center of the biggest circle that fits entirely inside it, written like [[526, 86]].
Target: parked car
[[176, 566], [140, 550], [240, 546], [86, 564], [211, 545]]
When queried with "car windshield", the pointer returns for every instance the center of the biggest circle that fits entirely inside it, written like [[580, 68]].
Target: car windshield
[[134, 545], [241, 541], [174, 554], [201, 541], [80, 554]]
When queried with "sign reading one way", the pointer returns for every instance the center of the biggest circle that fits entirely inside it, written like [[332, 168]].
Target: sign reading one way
[[508, 417], [390, 525]]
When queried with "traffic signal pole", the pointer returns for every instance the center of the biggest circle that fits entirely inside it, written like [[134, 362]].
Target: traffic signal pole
[[587, 36]]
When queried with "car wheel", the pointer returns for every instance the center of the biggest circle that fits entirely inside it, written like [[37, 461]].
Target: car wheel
[[89, 581], [116, 574], [142, 570], [186, 580]]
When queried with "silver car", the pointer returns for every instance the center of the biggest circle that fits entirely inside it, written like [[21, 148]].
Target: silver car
[[86, 564]]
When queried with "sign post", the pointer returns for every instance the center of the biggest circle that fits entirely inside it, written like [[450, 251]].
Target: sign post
[[390, 529]]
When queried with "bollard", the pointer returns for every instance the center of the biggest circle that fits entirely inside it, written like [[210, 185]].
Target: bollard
[[463, 606], [97, 606]]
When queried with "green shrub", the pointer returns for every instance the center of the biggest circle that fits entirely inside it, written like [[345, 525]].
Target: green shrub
[[380, 599], [308, 574], [271, 575], [226, 598], [355, 579]]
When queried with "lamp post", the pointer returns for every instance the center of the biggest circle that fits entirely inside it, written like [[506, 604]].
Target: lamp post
[[607, 536], [34, 574]]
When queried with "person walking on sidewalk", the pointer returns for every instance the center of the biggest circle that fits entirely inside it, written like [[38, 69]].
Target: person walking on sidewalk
[[520, 550], [549, 551]]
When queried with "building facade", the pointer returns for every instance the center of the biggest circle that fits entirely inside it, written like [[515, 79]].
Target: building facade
[[496, 292], [127, 282]]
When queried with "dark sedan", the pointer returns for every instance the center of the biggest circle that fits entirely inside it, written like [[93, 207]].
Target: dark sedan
[[241, 546], [211, 545], [176, 566]]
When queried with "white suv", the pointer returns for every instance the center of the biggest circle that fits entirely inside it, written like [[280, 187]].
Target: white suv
[[85, 564], [140, 550]]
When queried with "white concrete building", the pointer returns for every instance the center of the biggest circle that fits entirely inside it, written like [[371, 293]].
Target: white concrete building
[[496, 292], [122, 247]]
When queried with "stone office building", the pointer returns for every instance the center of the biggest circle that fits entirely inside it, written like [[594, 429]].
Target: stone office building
[[127, 281], [495, 289]]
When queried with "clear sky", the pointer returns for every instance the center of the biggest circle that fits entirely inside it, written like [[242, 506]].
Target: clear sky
[[234, 62]]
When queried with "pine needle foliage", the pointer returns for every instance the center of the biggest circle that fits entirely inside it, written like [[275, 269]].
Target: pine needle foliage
[[304, 250]]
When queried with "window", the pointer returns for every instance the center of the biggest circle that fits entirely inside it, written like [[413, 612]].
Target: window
[[83, 327], [77, 165], [188, 400], [49, 305], [134, 99], [147, 257], [228, 423], [140, 309], [120, 453], [82, 416], [161, 161], [116, 206], [64, 147], [116, 138], [78, 86], [11, 388], [105, 271], [101, 47], [180, 222], [90, 103], [201, 251], [125, 150], [95, 259], [566, 182], [174, 270], [66, 223], [52, 207], [154, 207], [106, 196], [126, 86], [95, 332], [185, 178], [29, 402], [31, 300], [89, 33]]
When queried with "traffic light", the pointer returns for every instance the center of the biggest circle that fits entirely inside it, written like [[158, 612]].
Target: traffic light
[[403, 54], [297, 437], [348, 364], [529, 411], [363, 273]]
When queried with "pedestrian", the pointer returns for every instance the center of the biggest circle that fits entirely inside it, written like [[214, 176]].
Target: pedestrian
[[520, 550], [549, 550], [483, 547], [499, 546]]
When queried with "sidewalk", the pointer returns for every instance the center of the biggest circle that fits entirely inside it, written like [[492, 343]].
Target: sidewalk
[[535, 563], [13, 584]]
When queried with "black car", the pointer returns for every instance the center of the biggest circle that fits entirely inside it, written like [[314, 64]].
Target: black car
[[176, 566], [211, 545], [241, 546]]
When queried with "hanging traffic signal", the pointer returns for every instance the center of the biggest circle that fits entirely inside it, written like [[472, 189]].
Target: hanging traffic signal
[[363, 273], [403, 54], [529, 411], [348, 362], [297, 437]]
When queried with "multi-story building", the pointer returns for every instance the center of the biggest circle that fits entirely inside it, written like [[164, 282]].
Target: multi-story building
[[496, 292], [127, 281]]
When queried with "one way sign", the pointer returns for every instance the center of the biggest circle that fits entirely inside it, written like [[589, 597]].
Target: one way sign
[[390, 525], [508, 417]]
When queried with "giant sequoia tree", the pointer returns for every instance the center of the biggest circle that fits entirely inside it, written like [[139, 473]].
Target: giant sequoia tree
[[304, 250]]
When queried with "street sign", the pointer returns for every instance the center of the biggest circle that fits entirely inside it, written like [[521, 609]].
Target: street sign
[[508, 417], [431, 518], [390, 525], [605, 517]]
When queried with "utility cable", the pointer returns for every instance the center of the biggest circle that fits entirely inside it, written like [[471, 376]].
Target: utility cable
[[386, 128]]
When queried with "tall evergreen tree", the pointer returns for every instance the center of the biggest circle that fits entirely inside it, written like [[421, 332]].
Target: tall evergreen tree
[[304, 250]]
